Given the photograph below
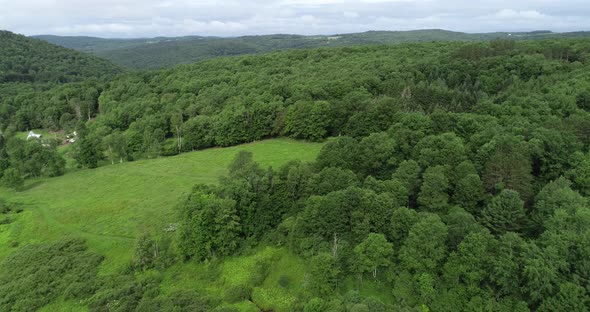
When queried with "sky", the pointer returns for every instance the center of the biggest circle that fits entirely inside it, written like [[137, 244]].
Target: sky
[[151, 18]]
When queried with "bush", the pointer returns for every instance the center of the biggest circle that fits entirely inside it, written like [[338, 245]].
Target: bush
[[284, 281], [237, 293], [34, 275]]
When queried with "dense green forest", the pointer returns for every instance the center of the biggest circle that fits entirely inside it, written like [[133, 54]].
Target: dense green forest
[[153, 53], [457, 179]]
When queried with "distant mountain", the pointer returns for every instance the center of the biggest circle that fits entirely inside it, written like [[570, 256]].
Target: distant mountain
[[24, 59], [152, 53]]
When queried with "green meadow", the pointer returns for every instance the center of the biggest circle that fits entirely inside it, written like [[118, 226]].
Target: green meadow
[[111, 205]]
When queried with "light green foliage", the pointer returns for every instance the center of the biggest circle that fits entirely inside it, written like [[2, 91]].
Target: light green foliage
[[556, 195], [37, 274], [580, 174], [372, 253], [469, 192], [425, 246], [125, 200], [315, 305], [440, 150], [468, 266], [570, 297]]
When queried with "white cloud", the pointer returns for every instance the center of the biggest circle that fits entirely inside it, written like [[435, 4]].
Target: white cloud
[[349, 14], [511, 14], [144, 18]]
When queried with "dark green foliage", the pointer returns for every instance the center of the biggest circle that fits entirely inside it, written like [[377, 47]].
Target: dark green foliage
[[88, 153], [146, 252], [23, 159], [307, 120], [331, 179], [12, 178], [402, 220], [37, 274], [151, 53], [446, 176], [209, 227], [460, 223], [323, 274], [425, 245], [376, 155], [469, 192], [508, 167], [505, 213], [408, 173], [342, 152], [441, 150], [29, 60], [571, 297], [434, 195]]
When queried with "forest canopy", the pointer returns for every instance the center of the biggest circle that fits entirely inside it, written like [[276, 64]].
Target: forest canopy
[[454, 175]]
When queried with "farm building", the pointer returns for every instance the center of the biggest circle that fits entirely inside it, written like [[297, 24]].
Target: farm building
[[33, 135]]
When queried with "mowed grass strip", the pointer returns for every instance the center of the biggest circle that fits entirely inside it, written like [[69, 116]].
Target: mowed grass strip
[[111, 205]]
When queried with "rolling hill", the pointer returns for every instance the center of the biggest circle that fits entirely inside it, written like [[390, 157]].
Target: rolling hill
[[24, 59], [37, 76], [151, 53]]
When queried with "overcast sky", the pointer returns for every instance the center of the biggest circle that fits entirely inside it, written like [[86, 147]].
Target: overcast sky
[[149, 18]]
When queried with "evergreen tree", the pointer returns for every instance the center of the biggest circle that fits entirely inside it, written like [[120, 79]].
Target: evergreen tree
[[505, 213]]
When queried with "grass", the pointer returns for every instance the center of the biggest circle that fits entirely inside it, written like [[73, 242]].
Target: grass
[[111, 205]]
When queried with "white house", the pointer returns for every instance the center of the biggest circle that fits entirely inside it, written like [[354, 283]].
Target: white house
[[33, 135]]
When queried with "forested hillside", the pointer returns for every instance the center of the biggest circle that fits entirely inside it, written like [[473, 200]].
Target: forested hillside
[[43, 86], [161, 52], [454, 177], [24, 59]]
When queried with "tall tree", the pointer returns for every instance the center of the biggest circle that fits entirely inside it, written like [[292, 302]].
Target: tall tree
[[323, 274], [434, 196], [505, 213], [425, 246], [372, 253]]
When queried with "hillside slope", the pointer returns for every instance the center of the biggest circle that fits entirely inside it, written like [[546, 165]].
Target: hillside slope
[[150, 53], [24, 59], [112, 205], [40, 82]]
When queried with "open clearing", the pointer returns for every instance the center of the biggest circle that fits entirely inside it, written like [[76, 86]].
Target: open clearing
[[111, 205]]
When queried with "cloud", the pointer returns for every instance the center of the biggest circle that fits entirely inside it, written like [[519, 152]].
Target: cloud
[[512, 14], [147, 18]]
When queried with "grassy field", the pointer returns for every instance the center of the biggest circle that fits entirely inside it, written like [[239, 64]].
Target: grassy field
[[111, 205]]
